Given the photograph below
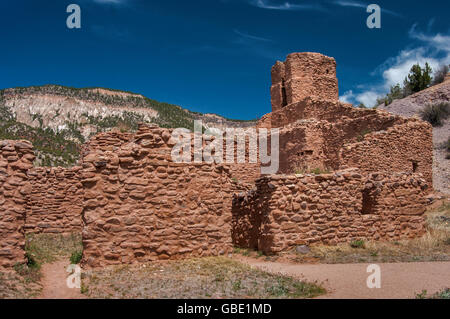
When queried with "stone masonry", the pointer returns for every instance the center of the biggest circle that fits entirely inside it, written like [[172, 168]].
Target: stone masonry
[[16, 157], [141, 206], [283, 212], [345, 173], [56, 200]]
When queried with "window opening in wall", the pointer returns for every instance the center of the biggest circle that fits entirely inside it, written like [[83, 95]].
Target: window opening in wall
[[415, 166], [283, 93], [368, 202]]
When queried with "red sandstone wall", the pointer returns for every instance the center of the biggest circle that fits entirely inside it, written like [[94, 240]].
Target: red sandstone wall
[[140, 206], [107, 141], [56, 200], [16, 158], [366, 139], [324, 110], [402, 148], [286, 211], [303, 75]]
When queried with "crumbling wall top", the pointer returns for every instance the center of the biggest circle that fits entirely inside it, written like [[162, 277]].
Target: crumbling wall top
[[303, 75]]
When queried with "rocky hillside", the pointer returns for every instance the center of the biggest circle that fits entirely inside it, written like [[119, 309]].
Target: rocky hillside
[[411, 106], [59, 119]]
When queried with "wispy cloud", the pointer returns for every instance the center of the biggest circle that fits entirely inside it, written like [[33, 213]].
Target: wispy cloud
[[434, 49], [287, 6], [244, 35], [438, 41], [350, 4], [111, 1], [241, 42], [355, 4]]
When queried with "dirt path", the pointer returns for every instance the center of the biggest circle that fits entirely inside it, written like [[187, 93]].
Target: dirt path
[[54, 284], [398, 280]]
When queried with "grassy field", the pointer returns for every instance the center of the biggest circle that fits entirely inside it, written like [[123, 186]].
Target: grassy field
[[211, 277]]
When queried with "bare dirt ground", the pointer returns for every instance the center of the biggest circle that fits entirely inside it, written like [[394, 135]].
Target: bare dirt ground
[[54, 284], [342, 281]]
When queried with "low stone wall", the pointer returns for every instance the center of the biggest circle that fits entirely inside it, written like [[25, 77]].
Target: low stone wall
[[56, 200], [285, 211], [140, 206], [16, 157]]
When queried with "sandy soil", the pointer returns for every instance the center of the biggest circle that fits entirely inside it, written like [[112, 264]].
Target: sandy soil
[[54, 284], [398, 281]]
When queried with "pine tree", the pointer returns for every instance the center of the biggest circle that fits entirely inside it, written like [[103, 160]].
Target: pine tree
[[418, 79]]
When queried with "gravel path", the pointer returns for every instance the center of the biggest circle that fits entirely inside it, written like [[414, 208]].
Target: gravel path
[[398, 280]]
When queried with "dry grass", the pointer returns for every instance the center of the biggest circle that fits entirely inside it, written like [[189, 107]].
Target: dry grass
[[47, 248], [15, 286], [433, 246], [211, 277]]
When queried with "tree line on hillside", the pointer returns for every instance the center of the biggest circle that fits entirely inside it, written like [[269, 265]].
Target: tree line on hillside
[[417, 80]]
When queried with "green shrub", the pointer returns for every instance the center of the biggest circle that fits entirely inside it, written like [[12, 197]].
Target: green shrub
[[31, 261], [439, 75], [76, 257], [358, 244], [444, 294], [435, 114]]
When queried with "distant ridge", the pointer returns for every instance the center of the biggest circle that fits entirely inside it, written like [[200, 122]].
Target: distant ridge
[[58, 119]]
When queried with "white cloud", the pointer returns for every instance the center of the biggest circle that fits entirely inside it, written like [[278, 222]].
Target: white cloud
[[438, 41], [397, 72], [287, 6], [354, 4], [435, 50], [348, 97], [368, 98]]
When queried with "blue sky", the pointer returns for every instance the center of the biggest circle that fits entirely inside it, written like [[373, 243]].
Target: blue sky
[[215, 55]]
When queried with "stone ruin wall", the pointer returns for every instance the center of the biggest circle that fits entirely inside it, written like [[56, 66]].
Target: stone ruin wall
[[16, 157], [55, 202], [174, 210], [141, 206], [133, 203], [303, 75], [317, 132], [283, 211], [389, 144], [401, 148]]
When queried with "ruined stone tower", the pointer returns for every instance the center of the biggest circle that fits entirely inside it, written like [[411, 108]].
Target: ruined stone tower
[[303, 75]]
